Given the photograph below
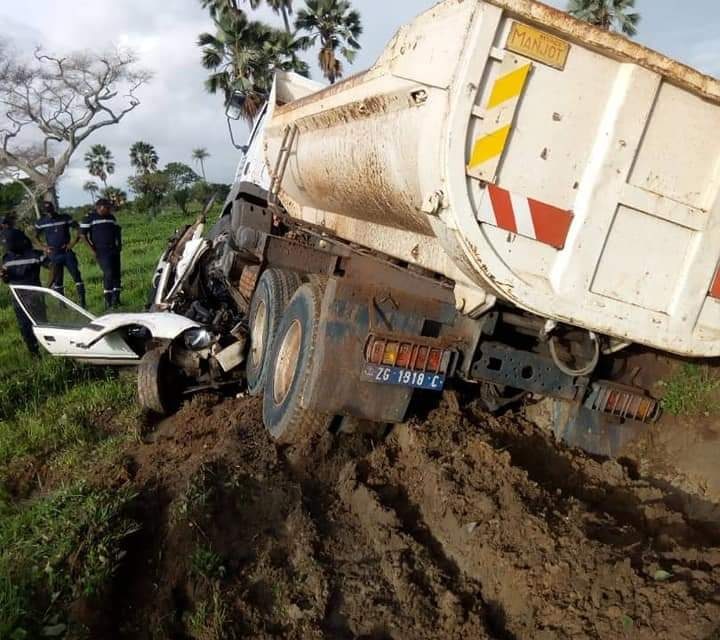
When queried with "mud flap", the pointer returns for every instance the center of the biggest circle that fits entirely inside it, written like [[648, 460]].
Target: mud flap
[[592, 431], [336, 387]]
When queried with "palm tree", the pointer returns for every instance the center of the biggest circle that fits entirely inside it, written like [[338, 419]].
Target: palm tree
[[281, 7], [143, 157], [284, 8], [117, 196], [225, 7], [219, 8], [100, 162], [243, 56], [611, 15], [92, 188], [337, 26], [200, 155], [281, 52]]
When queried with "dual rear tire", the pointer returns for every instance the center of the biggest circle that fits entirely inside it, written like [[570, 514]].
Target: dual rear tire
[[293, 358], [272, 295], [284, 321]]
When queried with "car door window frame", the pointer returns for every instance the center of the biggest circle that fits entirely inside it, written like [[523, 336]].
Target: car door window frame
[[45, 291]]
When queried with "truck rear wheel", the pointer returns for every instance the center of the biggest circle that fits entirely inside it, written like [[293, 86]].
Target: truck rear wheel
[[292, 357], [272, 295], [157, 383]]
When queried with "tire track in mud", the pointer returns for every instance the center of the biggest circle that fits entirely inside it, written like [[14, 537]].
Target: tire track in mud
[[417, 593], [457, 526], [424, 579], [610, 487], [528, 545]]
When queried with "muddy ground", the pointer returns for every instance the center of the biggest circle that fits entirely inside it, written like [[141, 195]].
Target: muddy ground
[[458, 525]]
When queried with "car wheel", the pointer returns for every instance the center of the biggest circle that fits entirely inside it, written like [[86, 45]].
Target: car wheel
[[271, 297], [292, 359], [158, 383]]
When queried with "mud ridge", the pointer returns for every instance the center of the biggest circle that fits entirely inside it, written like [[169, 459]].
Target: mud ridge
[[458, 525]]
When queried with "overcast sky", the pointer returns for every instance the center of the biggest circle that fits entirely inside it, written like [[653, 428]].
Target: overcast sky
[[177, 114]]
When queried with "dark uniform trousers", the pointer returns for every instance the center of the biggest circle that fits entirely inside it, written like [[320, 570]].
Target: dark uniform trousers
[[105, 235], [61, 260], [57, 230], [109, 261], [26, 327]]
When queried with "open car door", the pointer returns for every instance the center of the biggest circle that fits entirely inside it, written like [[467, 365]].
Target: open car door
[[65, 330]]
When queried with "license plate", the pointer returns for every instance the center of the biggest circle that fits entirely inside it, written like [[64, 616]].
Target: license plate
[[404, 377]]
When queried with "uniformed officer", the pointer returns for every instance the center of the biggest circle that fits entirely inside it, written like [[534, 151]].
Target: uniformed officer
[[102, 232], [54, 231], [21, 265]]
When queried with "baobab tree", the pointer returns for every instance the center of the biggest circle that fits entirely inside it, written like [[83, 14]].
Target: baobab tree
[[50, 105], [12, 175]]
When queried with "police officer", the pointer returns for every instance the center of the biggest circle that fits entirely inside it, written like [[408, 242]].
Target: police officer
[[54, 231], [21, 265], [102, 232]]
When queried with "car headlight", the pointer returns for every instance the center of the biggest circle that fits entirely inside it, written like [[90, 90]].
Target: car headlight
[[198, 339]]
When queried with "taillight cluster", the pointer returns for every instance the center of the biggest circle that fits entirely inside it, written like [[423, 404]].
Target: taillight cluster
[[624, 403], [407, 355]]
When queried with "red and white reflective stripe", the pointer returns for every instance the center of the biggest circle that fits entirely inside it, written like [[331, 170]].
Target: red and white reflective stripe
[[715, 288], [525, 216]]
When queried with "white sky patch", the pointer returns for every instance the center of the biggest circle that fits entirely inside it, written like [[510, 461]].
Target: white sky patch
[[177, 115]]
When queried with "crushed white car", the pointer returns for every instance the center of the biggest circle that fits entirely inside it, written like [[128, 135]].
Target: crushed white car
[[180, 345], [66, 330]]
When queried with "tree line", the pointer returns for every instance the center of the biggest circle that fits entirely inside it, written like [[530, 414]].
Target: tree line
[[177, 183]]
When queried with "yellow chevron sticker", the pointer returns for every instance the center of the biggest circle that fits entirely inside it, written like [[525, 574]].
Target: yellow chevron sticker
[[508, 86], [488, 147]]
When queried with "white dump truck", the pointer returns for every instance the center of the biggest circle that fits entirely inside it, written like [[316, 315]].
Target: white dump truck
[[507, 197]]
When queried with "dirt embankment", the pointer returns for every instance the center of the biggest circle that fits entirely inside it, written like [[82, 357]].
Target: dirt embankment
[[460, 526]]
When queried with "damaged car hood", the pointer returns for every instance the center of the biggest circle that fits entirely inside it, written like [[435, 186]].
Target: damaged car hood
[[162, 326]]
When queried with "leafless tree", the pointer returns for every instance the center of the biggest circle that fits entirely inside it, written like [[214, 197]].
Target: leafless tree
[[50, 105], [11, 176]]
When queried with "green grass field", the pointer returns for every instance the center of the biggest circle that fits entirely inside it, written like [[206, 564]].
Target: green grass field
[[61, 541]]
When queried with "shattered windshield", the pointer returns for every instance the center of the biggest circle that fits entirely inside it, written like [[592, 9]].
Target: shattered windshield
[[48, 309]]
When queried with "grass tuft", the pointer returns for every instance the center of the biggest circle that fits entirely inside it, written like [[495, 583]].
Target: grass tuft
[[207, 564], [61, 547], [692, 391], [209, 621]]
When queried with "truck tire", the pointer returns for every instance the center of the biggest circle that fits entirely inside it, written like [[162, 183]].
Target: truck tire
[[158, 389], [272, 295], [292, 357]]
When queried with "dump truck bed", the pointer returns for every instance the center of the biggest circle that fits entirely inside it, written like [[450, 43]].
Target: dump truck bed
[[529, 157]]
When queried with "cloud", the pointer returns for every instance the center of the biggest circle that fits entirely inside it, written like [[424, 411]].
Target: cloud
[[178, 115]]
